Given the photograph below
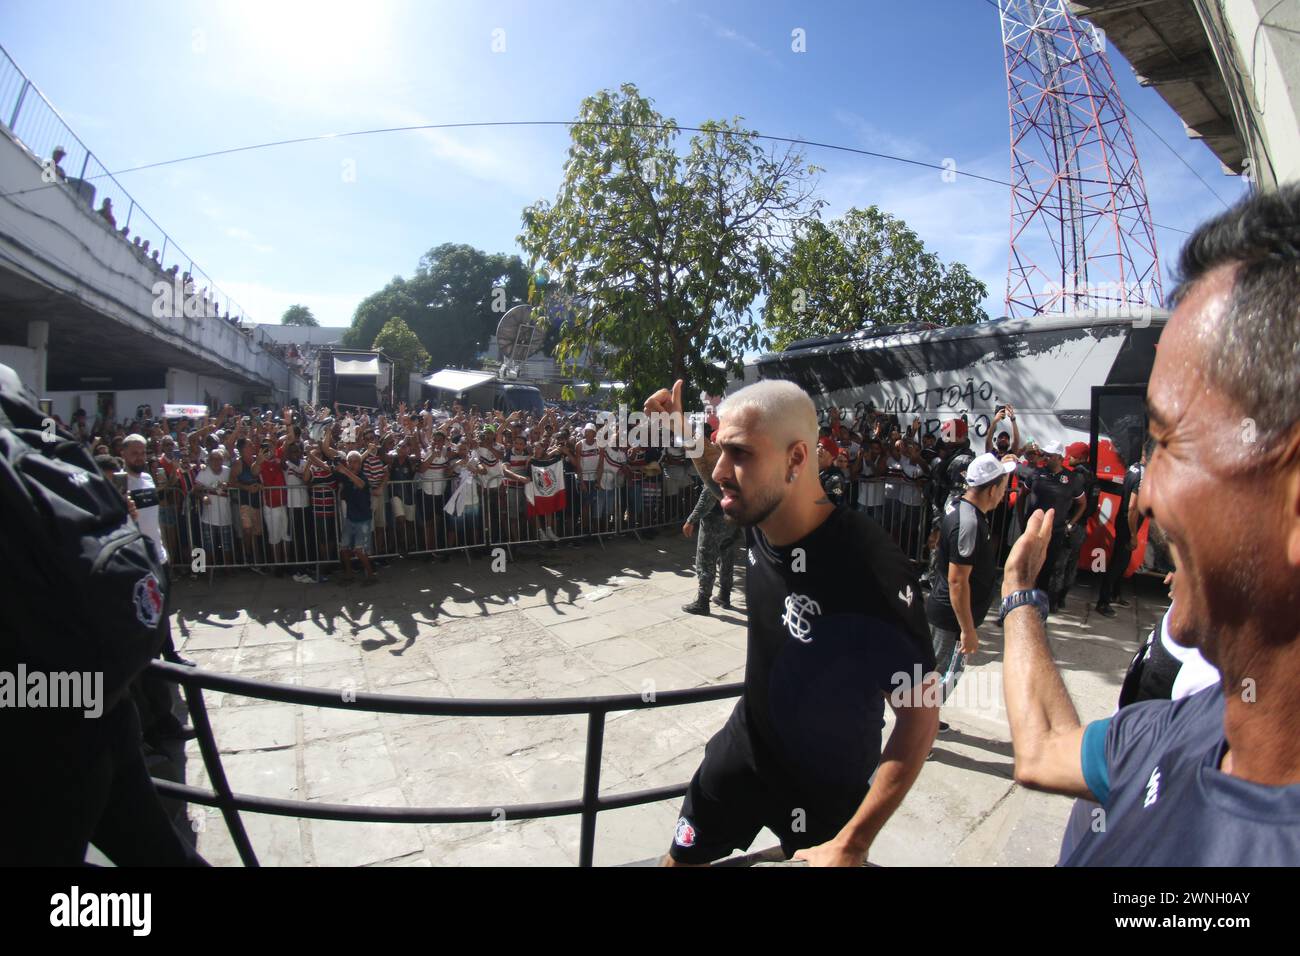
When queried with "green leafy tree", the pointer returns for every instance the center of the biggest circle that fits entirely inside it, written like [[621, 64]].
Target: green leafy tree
[[403, 346], [465, 291], [865, 269], [299, 315], [394, 299], [452, 303], [664, 253]]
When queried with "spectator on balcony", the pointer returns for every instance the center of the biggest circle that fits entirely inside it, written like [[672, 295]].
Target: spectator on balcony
[[56, 161], [106, 213]]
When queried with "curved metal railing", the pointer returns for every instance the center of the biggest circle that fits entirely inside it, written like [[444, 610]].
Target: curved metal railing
[[231, 804]]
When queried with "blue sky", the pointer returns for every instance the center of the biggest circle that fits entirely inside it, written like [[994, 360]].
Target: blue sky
[[327, 223]]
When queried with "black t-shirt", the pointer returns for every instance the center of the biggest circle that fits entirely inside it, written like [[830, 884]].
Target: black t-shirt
[[963, 539], [1155, 768], [357, 498], [835, 623], [245, 479], [1047, 490], [401, 473], [1085, 483], [1132, 482]]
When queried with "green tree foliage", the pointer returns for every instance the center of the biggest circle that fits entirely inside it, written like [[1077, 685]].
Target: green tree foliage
[[394, 299], [299, 315], [450, 303], [403, 346], [459, 286], [664, 254], [865, 269]]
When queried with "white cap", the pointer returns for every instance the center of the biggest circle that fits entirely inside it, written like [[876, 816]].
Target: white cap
[[986, 468], [1052, 447], [590, 426]]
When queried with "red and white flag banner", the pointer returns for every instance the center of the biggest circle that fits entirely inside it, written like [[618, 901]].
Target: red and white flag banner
[[545, 493]]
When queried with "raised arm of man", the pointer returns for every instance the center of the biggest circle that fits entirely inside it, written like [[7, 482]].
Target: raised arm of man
[[993, 429], [669, 402], [959, 598], [1046, 734], [347, 473]]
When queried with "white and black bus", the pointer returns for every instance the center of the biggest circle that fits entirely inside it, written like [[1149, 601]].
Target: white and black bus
[[1070, 378]]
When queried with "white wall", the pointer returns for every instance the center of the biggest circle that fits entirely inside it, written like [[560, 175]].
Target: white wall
[[126, 401], [23, 361], [1266, 55], [65, 403], [189, 388]]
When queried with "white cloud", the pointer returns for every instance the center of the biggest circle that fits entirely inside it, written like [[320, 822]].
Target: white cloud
[[869, 136], [731, 35]]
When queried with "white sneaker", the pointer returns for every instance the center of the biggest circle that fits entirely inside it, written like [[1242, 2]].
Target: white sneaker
[[550, 533]]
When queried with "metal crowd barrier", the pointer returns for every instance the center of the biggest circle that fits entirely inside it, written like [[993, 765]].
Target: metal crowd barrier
[[232, 532], [234, 529], [588, 805]]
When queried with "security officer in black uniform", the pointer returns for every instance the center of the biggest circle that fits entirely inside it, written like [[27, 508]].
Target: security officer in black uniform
[[1051, 486], [1086, 482]]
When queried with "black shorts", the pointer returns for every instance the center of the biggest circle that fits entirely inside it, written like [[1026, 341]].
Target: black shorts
[[729, 801]]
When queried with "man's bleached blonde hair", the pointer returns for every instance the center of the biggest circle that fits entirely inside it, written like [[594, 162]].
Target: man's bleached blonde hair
[[783, 409]]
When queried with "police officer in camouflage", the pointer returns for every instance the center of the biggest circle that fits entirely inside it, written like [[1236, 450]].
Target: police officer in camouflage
[[715, 549]]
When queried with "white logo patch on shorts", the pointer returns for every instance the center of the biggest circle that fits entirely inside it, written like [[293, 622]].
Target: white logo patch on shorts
[[685, 835]]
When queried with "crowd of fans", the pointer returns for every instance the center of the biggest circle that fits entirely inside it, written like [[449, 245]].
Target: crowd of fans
[[309, 489], [908, 481], [277, 489]]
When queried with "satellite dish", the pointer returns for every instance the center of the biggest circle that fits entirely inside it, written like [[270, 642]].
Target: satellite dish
[[519, 338]]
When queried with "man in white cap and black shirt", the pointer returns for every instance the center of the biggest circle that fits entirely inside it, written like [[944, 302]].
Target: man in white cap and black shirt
[[965, 568], [1049, 488]]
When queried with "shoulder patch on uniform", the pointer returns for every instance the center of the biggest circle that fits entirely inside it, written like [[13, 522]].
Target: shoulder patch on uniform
[[148, 599], [685, 835]]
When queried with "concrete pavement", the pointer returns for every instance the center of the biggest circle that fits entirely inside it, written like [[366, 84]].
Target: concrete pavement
[[568, 622]]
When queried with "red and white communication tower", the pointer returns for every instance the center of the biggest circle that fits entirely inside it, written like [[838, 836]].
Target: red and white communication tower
[[1081, 233]]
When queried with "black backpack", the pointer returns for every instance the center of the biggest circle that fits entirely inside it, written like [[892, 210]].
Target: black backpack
[[87, 589]]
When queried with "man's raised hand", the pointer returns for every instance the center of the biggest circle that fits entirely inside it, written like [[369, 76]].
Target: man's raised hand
[[1026, 557], [665, 400]]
